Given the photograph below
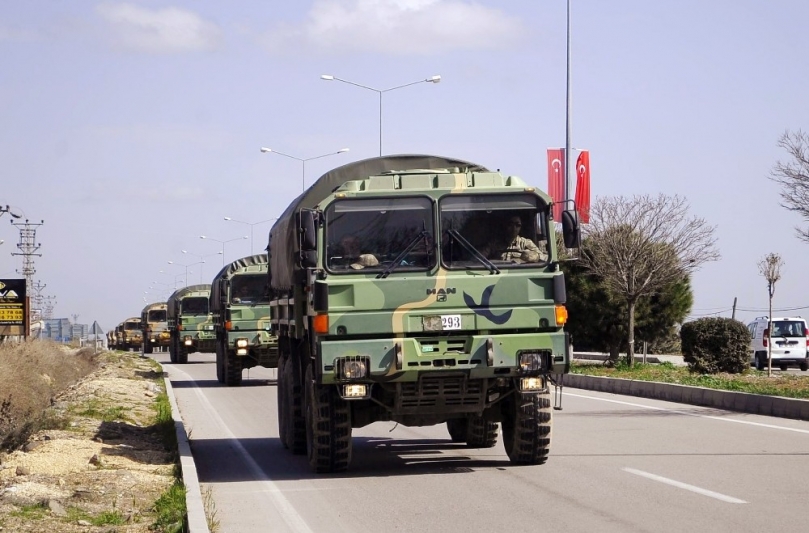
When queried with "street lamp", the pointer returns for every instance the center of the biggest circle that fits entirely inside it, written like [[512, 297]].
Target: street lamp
[[302, 160], [201, 258], [186, 267], [11, 211], [251, 224], [223, 243], [329, 77]]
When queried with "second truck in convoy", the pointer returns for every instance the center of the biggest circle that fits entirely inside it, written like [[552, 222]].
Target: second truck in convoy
[[154, 327], [189, 322]]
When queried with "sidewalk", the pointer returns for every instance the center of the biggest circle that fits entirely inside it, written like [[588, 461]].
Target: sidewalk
[[676, 360]]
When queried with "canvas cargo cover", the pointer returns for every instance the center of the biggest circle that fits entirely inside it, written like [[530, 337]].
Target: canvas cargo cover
[[227, 272], [283, 235], [174, 300]]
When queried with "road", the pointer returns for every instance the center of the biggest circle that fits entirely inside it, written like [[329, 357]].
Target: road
[[617, 463]]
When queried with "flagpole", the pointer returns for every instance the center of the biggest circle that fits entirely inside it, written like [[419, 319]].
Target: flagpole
[[568, 187]]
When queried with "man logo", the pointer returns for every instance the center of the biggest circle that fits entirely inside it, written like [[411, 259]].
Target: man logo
[[441, 294]]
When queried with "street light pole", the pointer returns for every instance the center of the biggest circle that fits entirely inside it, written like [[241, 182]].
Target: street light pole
[[251, 224], [186, 267], [201, 258], [203, 237], [329, 77], [302, 160]]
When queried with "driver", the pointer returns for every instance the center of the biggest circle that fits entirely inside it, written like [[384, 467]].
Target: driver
[[511, 247]]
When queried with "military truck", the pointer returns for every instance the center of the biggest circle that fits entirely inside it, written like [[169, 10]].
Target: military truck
[[397, 295], [155, 327], [189, 322], [131, 337], [240, 305]]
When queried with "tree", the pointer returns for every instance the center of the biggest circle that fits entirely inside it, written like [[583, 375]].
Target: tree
[[638, 246], [794, 176], [770, 268], [598, 318]]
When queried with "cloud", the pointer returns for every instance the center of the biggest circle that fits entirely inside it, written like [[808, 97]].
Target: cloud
[[397, 27], [161, 31]]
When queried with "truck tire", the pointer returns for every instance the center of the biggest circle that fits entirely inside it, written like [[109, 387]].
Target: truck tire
[[220, 361], [804, 366], [233, 369], [293, 407], [173, 349], [761, 362], [527, 428], [457, 429], [475, 432], [280, 402], [328, 427], [182, 353]]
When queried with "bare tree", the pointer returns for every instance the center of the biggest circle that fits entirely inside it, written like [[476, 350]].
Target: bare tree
[[770, 268], [794, 176], [642, 244]]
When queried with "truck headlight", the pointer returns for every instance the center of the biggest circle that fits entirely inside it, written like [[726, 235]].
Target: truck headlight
[[241, 343], [352, 368], [530, 362]]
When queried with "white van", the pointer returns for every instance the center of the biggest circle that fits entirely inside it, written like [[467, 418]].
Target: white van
[[790, 342]]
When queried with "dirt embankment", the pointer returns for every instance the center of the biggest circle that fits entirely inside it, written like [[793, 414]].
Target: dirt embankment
[[98, 459]]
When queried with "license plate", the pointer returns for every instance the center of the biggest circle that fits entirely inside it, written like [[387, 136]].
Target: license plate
[[450, 322]]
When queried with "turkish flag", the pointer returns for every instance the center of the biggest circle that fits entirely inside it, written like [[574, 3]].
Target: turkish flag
[[583, 186], [556, 180]]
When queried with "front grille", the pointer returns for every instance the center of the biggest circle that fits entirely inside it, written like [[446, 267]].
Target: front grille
[[440, 394]]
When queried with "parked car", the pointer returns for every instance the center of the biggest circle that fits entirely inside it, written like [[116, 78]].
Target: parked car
[[790, 342]]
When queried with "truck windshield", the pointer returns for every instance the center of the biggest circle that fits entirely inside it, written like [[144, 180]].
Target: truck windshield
[[249, 289], [195, 305], [493, 232], [369, 234], [158, 315], [130, 326]]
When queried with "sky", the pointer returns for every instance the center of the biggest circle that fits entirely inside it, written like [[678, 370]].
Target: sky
[[133, 128]]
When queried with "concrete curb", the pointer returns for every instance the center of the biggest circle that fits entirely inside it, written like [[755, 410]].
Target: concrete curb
[[729, 400], [197, 523]]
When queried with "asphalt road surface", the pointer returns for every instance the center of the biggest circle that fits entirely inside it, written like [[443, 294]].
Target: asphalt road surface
[[617, 463]]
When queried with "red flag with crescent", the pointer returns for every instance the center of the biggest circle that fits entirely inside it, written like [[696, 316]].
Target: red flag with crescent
[[583, 186], [556, 180]]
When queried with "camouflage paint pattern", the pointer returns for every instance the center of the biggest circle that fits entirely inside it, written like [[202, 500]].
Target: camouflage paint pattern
[[131, 334], [155, 332]]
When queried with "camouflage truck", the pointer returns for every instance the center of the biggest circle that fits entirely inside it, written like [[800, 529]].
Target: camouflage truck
[[396, 297], [189, 322], [240, 305], [155, 327], [131, 337]]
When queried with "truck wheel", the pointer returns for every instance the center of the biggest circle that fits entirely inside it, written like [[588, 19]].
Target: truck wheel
[[173, 351], [804, 366], [457, 429], [527, 428], [784, 368], [328, 427], [481, 433], [233, 369], [280, 386], [761, 362], [182, 353], [293, 407], [220, 362]]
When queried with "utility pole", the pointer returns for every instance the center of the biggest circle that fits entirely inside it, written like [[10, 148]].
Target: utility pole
[[733, 315], [28, 247]]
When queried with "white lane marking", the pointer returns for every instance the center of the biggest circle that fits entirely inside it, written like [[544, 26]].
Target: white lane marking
[[686, 486], [285, 509], [721, 419]]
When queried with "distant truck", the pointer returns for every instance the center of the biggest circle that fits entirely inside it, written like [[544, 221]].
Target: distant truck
[[131, 337], [190, 323], [240, 305], [155, 327], [421, 290]]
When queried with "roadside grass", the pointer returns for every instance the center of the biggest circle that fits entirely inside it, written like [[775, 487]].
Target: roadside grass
[[37, 511], [750, 381], [97, 408]]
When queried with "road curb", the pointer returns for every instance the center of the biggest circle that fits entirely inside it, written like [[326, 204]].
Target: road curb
[[729, 400], [197, 523]]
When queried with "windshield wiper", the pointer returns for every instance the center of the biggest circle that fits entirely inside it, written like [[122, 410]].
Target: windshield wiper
[[396, 262], [474, 251]]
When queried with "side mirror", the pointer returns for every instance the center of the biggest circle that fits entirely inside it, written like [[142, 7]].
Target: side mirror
[[571, 231], [309, 259], [308, 230]]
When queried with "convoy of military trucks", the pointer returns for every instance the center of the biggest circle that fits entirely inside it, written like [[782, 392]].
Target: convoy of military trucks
[[415, 289]]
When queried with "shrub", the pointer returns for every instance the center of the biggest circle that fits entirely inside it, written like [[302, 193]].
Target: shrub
[[712, 345]]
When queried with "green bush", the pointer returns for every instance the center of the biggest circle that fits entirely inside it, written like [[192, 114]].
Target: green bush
[[712, 345]]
